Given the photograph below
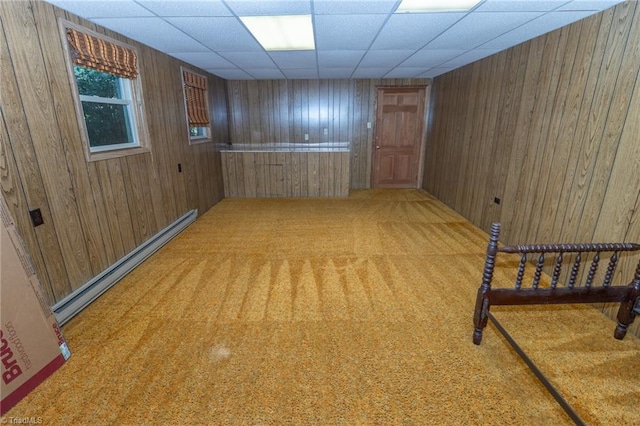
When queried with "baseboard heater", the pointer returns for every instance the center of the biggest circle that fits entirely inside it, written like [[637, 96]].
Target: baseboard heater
[[71, 305]]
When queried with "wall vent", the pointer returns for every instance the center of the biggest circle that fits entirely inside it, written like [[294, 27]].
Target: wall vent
[[71, 305]]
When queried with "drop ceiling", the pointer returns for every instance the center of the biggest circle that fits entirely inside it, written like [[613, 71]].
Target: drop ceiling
[[354, 38]]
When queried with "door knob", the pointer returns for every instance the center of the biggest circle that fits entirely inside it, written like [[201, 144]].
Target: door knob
[[377, 146]]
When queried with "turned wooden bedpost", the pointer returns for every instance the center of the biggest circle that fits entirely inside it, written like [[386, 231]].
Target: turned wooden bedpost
[[625, 313], [480, 316]]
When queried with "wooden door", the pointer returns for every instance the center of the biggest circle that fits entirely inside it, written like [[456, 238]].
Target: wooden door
[[400, 121]]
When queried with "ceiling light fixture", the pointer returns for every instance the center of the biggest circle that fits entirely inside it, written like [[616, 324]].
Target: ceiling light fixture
[[408, 6], [288, 32]]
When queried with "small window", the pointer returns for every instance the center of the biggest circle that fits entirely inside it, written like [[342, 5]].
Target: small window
[[108, 94], [196, 97], [108, 111]]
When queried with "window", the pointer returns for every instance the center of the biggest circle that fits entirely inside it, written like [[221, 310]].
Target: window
[[196, 103], [104, 73]]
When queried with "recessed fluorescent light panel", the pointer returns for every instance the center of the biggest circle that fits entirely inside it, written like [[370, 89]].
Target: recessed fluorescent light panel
[[435, 5], [289, 32]]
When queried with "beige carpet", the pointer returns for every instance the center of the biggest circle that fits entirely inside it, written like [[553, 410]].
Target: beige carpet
[[316, 311]]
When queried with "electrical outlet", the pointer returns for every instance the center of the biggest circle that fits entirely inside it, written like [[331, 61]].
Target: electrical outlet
[[306, 136], [179, 167], [496, 200], [368, 124], [36, 217], [326, 131]]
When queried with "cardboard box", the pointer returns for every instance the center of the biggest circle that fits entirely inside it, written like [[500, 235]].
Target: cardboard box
[[31, 344]]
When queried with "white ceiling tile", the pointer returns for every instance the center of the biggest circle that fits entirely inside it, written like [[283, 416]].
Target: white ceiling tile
[[204, 60], [338, 72], [343, 7], [370, 72], [382, 58], [249, 59], [478, 28], [404, 72], [304, 73], [434, 72], [520, 5], [535, 28], [467, 58], [103, 8], [590, 4], [265, 73], [187, 8], [413, 30], [153, 32], [291, 59], [230, 74], [431, 57], [346, 32], [271, 7], [219, 33], [339, 58]]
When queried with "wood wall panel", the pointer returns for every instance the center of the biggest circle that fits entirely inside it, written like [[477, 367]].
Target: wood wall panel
[[273, 111], [551, 128], [94, 212]]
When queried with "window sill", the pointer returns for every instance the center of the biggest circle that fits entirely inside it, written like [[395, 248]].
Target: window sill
[[116, 153], [199, 141]]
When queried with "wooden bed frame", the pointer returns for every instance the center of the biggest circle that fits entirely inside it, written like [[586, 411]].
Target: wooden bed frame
[[628, 296]]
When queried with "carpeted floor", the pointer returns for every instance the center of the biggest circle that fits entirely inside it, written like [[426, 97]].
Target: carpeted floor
[[324, 311]]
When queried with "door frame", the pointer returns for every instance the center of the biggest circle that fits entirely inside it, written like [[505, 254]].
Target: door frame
[[423, 139]]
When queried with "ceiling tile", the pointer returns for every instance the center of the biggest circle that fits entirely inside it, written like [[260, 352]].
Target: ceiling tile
[[434, 72], [382, 58], [478, 28], [429, 58], [520, 6], [370, 72], [265, 73], [346, 32], [404, 72], [153, 32], [304, 59], [249, 59], [230, 74], [339, 58], [187, 8], [413, 30], [218, 33], [535, 28], [103, 8], [333, 7], [204, 60], [470, 56], [305, 73], [337, 72], [271, 7], [590, 4]]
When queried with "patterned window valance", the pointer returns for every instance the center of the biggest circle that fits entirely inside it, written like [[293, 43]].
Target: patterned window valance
[[101, 55]]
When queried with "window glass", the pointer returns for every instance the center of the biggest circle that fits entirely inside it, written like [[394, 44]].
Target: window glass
[[107, 107]]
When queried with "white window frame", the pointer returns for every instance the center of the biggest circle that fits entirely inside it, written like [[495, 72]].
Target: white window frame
[[131, 92]]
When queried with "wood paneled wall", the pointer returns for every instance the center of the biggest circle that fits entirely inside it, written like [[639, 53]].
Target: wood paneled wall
[[271, 111], [551, 127], [94, 212]]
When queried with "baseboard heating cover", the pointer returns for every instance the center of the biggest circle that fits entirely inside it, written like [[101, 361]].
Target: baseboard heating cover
[[83, 296]]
